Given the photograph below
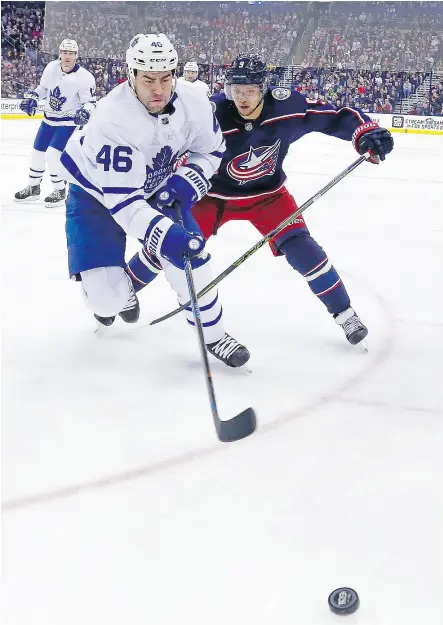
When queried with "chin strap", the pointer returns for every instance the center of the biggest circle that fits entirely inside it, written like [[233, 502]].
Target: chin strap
[[260, 101]]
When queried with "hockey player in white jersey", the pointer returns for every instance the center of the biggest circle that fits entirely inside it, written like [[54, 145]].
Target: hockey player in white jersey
[[122, 182], [190, 75], [69, 93]]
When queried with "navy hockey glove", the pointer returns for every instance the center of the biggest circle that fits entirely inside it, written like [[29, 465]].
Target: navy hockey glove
[[81, 117], [171, 241], [370, 138], [186, 187], [29, 105]]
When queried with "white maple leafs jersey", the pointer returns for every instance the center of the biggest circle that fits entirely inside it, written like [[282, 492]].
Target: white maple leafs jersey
[[125, 154], [65, 93], [197, 84]]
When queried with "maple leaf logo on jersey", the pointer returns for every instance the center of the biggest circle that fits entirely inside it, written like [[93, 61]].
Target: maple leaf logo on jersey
[[162, 165], [255, 163], [56, 100]]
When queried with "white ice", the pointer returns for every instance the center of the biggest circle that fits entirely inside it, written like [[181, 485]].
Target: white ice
[[121, 506]]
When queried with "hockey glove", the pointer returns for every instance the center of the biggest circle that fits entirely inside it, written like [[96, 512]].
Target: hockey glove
[[29, 105], [171, 241], [81, 117], [185, 187], [370, 138]]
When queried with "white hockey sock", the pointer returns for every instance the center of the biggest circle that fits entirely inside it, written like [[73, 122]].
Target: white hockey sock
[[54, 168], [58, 183], [37, 168], [210, 306]]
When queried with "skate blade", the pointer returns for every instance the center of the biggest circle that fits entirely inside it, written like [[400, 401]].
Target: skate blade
[[56, 204], [27, 200], [102, 332], [363, 346]]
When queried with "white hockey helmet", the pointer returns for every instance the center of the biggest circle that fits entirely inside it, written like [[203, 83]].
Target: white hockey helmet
[[150, 53], [191, 66], [69, 45]]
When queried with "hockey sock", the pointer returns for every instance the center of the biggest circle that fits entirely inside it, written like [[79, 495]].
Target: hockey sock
[[53, 157], [143, 268], [305, 255], [37, 168], [211, 311]]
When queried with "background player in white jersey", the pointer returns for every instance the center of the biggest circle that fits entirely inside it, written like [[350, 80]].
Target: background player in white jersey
[[190, 74], [122, 183], [69, 91]]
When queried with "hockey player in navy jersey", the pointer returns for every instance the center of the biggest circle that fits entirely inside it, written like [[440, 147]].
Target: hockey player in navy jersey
[[259, 125], [69, 93]]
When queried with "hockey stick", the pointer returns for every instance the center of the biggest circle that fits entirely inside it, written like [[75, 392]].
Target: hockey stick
[[244, 423], [286, 222], [40, 108]]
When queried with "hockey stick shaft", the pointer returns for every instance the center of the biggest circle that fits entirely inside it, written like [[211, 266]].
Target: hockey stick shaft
[[281, 226], [201, 342], [201, 339], [244, 423]]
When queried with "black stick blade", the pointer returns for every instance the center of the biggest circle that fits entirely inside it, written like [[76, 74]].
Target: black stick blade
[[240, 426]]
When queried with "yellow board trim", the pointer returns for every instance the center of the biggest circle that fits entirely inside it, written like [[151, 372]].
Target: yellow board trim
[[416, 131], [19, 116]]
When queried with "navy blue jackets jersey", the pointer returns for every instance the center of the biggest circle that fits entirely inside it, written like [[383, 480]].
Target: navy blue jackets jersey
[[255, 149]]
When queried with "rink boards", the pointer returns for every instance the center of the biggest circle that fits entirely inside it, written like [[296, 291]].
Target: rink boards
[[411, 124]]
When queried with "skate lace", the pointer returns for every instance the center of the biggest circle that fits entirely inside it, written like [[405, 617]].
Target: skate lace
[[57, 194], [226, 347], [352, 324], [131, 303]]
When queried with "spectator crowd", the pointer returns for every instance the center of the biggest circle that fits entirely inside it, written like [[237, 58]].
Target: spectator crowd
[[370, 91], [359, 54], [378, 35]]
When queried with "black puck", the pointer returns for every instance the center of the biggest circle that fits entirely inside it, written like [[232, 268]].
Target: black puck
[[344, 601]]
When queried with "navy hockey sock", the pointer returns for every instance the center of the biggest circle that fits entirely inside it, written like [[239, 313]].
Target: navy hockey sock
[[309, 259], [142, 269]]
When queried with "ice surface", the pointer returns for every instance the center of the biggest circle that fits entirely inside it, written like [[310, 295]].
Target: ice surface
[[120, 505]]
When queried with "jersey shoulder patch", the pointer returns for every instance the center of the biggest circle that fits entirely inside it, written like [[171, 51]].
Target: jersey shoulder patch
[[281, 93]]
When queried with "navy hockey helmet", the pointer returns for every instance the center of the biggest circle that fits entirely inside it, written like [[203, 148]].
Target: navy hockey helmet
[[246, 70]]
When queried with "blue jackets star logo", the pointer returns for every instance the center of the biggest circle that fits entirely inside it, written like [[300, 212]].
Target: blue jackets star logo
[[255, 163], [56, 100]]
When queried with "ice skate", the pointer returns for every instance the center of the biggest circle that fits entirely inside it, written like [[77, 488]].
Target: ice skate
[[229, 351], [353, 327], [131, 312], [28, 194], [57, 198], [105, 321]]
